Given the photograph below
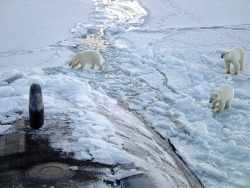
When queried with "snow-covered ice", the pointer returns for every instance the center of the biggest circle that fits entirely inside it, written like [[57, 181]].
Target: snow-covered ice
[[121, 174], [162, 61], [74, 168], [5, 129]]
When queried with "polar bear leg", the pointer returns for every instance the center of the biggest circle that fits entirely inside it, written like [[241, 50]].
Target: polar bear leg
[[242, 61], [99, 64], [236, 67], [93, 66], [82, 65], [228, 103], [221, 106], [227, 65], [75, 65], [214, 105], [101, 67]]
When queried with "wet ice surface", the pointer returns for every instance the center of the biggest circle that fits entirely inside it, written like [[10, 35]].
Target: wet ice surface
[[164, 71]]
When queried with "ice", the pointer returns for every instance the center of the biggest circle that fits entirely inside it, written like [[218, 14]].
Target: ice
[[8, 120], [92, 144], [162, 64], [184, 103], [7, 91], [74, 168], [121, 174], [5, 129], [82, 155], [14, 75], [102, 156], [94, 139], [51, 28], [186, 61], [115, 29], [13, 103]]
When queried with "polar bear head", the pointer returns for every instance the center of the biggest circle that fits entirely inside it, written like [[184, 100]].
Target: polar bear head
[[226, 54], [215, 97], [74, 60]]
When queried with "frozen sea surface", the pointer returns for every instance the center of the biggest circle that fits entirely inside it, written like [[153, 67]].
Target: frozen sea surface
[[162, 61]]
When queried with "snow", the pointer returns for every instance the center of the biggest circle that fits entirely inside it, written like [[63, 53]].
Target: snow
[[181, 14], [32, 28], [5, 129], [74, 168], [162, 61], [38, 25], [121, 174]]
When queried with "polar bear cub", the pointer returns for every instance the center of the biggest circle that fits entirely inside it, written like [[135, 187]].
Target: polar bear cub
[[236, 56], [89, 56], [224, 96]]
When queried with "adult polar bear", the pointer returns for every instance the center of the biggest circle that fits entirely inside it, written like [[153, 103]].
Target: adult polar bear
[[224, 96], [236, 56], [89, 56]]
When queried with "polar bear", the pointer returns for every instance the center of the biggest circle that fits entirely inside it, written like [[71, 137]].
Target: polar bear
[[236, 56], [224, 96], [89, 56]]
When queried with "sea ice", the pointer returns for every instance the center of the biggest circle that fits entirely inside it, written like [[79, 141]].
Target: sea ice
[[121, 174], [5, 129], [162, 64]]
